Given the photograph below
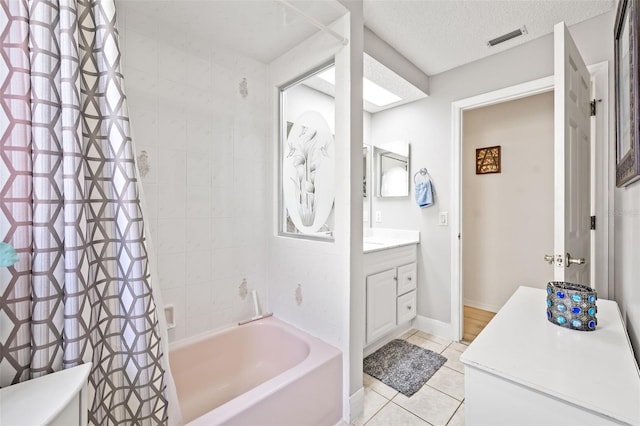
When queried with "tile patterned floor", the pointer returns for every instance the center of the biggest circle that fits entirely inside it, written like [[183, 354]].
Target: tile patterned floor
[[439, 402]]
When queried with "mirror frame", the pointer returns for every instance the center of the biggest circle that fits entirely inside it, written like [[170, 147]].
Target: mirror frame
[[378, 152]]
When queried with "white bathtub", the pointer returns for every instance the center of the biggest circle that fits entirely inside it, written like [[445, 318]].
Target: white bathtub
[[262, 373]]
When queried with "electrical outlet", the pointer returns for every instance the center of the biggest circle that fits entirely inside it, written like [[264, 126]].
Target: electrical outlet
[[443, 219], [378, 216]]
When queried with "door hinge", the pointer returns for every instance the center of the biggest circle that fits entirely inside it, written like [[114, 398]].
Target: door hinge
[[593, 222], [593, 104]]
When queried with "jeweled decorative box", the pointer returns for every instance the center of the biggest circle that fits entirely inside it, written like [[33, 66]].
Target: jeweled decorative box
[[572, 305]]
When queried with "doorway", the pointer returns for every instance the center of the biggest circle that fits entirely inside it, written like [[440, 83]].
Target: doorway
[[602, 154], [507, 215]]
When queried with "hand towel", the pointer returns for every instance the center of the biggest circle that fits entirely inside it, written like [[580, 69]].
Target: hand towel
[[424, 195]]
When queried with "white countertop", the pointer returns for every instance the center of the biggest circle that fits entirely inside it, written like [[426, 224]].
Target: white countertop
[[376, 239], [39, 401], [598, 371]]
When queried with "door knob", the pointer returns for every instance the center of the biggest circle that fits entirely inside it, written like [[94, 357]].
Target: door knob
[[548, 258], [568, 260]]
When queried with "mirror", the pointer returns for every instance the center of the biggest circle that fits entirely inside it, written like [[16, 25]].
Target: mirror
[[307, 159], [392, 169]]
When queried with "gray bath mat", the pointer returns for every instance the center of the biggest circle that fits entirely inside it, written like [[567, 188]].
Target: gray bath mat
[[403, 366]]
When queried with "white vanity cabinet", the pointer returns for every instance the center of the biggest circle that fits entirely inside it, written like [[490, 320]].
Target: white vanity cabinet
[[391, 282]]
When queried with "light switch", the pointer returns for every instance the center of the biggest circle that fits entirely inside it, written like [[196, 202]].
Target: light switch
[[443, 219], [365, 216], [378, 216]]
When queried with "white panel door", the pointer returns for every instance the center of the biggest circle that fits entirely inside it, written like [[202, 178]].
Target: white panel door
[[572, 161]]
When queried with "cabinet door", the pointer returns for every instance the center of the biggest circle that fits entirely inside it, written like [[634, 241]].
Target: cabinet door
[[407, 278], [381, 304]]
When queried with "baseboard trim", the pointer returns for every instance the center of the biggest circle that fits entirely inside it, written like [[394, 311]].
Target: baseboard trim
[[393, 334], [356, 405], [480, 305], [435, 327]]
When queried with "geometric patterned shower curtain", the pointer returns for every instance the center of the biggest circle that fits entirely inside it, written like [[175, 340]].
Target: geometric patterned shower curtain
[[69, 205]]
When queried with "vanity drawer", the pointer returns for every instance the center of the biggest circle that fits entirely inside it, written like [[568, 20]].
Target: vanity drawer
[[406, 307], [407, 278]]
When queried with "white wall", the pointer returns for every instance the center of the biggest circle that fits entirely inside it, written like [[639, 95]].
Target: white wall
[[384, 129], [322, 269], [627, 260], [507, 217], [206, 188], [295, 261], [427, 125]]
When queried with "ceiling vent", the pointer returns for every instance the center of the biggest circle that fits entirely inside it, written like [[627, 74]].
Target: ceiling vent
[[507, 36]]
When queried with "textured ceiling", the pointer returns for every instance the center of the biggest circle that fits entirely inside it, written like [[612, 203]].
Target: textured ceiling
[[260, 29], [438, 35]]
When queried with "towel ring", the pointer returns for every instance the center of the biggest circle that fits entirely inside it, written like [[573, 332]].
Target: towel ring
[[422, 172]]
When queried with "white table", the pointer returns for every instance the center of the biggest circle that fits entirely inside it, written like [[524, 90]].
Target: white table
[[523, 370]]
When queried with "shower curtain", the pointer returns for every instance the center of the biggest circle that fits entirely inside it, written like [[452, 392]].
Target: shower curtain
[[69, 204]]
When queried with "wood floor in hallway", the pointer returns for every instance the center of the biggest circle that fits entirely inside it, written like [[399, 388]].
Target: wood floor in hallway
[[474, 321]]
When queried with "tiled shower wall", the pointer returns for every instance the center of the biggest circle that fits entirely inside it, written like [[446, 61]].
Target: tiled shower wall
[[199, 116]]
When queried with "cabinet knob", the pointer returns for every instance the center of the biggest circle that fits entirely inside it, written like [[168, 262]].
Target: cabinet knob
[[409, 278], [408, 307]]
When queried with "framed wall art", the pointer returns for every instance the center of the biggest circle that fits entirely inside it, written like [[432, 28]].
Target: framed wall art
[[626, 93], [488, 160]]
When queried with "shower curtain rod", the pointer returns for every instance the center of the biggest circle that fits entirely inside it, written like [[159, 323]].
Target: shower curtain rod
[[315, 22]]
